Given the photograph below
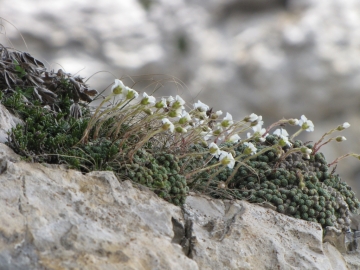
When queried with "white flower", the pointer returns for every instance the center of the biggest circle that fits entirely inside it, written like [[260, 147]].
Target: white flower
[[343, 126], [218, 131], [131, 93], [216, 115], [281, 132], [201, 106], [234, 138], [284, 141], [119, 88], [167, 125], [227, 121], [259, 133], [227, 159], [258, 122], [169, 100], [185, 118], [201, 115], [250, 148], [175, 113], [259, 130], [214, 149], [148, 100], [178, 103], [160, 104], [346, 125], [306, 124], [251, 118]]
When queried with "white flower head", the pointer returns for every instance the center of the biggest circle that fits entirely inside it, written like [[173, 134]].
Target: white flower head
[[177, 103], [216, 115], [185, 118], [161, 104], [234, 138], [148, 100], [251, 118], [258, 122], [343, 126], [306, 124], [167, 125], [214, 149], [227, 159], [119, 88], [227, 121], [131, 93], [217, 131], [201, 106], [259, 133], [258, 130], [250, 148], [175, 113], [281, 132], [169, 100]]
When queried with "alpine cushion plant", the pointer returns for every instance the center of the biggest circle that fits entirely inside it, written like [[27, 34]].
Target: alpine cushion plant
[[173, 148]]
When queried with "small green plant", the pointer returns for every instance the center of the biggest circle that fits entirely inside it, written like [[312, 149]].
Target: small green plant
[[172, 148]]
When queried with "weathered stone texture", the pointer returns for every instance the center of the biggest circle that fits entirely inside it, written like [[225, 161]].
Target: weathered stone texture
[[54, 218]]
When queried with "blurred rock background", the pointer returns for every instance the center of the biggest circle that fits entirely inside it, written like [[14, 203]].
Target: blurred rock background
[[276, 58]]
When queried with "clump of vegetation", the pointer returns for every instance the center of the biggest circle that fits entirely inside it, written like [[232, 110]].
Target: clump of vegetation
[[169, 148]]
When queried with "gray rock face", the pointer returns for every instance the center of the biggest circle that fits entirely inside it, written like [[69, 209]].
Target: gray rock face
[[53, 218], [7, 121]]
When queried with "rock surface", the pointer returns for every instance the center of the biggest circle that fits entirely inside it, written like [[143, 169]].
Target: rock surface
[[54, 218]]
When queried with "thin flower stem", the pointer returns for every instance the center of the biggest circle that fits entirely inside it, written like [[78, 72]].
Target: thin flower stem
[[201, 170], [296, 134]]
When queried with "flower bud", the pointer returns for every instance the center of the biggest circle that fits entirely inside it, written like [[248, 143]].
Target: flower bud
[[293, 122], [160, 104], [340, 139], [221, 185], [343, 126], [180, 130], [148, 111], [306, 150]]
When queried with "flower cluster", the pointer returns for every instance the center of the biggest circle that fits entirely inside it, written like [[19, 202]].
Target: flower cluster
[[199, 124]]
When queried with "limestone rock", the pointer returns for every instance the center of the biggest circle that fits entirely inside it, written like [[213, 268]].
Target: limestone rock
[[240, 235], [7, 121], [54, 218]]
